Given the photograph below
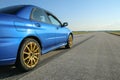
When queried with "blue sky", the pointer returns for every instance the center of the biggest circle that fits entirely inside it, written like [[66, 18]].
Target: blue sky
[[80, 14]]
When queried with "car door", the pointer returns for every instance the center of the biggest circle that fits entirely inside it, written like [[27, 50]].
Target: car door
[[44, 30], [61, 32]]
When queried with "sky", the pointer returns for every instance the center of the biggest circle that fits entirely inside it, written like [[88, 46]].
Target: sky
[[82, 15]]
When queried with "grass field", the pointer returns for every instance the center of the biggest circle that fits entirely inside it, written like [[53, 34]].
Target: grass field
[[115, 32], [79, 32]]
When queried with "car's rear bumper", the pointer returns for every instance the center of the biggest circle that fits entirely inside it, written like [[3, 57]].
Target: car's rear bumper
[[9, 61], [8, 50]]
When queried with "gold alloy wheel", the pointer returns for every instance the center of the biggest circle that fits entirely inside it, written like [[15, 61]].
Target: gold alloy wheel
[[70, 41], [31, 54]]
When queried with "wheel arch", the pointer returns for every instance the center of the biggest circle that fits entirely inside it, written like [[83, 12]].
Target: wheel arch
[[71, 34], [32, 37]]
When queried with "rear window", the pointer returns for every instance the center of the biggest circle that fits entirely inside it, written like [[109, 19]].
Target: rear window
[[11, 10]]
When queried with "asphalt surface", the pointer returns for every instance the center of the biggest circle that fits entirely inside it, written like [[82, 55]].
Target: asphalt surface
[[94, 56]]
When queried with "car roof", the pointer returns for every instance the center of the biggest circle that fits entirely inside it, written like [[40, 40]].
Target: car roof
[[24, 12]]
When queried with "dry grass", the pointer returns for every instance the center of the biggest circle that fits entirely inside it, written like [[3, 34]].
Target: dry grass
[[115, 32], [79, 32]]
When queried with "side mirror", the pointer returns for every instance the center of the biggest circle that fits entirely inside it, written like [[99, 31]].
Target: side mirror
[[65, 24]]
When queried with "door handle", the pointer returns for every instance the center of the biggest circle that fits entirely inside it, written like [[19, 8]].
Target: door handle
[[57, 27], [37, 25]]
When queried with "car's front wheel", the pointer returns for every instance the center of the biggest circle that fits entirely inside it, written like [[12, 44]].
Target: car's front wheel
[[69, 42], [28, 55]]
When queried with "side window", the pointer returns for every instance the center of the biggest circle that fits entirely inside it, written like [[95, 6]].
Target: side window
[[53, 20], [39, 15]]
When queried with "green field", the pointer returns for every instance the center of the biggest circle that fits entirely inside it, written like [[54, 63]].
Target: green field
[[79, 32], [115, 32]]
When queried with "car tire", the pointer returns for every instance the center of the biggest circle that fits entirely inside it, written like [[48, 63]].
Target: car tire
[[69, 42], [28, 55]]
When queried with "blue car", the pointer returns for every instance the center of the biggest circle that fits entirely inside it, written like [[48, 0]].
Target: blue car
[[27, 32]]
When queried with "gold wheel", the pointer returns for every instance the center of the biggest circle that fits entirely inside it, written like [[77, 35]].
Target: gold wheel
[[70, 41], [31, 53]]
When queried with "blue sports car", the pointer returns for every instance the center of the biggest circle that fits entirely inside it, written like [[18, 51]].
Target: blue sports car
[[27, 32]]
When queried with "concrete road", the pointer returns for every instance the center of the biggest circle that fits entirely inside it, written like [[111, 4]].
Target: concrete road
[[94, 56]]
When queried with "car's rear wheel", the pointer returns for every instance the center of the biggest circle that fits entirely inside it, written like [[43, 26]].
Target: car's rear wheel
[[69, 42], [29, 55]]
